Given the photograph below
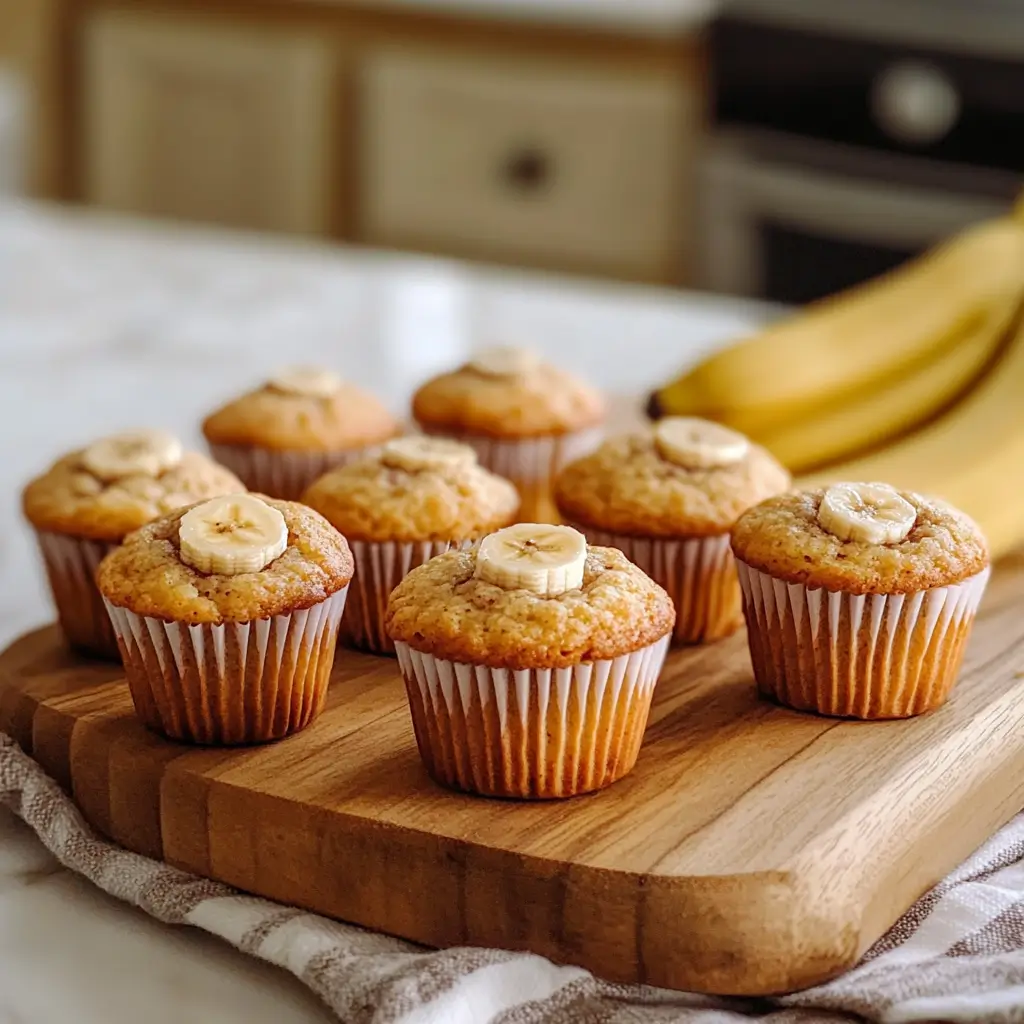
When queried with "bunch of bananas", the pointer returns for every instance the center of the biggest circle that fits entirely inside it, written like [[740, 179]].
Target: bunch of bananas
[[915, 378]]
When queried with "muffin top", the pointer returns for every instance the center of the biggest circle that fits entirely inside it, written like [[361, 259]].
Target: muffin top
[[861, 539], [154, 573], [302, 409], [507, 393], [485, 608], [687, 478], [414, 489], [120, 483]]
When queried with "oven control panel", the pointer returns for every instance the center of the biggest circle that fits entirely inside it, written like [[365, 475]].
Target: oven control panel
[[953, 107]]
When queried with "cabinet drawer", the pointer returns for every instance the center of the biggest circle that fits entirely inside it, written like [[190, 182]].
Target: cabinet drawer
[[575, 167], [206, 121]]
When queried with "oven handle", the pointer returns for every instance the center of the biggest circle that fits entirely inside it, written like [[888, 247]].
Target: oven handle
[[737, 193]]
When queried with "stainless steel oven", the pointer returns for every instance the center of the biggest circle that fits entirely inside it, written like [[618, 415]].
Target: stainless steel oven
[[843, 145]]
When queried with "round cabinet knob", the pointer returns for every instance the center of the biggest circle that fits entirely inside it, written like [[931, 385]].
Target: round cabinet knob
[[527, 170], [915, 103]]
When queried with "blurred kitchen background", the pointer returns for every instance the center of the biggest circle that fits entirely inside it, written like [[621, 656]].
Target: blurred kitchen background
[[771, 148]]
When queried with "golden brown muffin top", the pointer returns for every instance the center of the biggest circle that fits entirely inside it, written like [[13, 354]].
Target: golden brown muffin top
[[389, 498], [538, 400], [782, 537], [147, 576], [441, 608], [70, 499], [272, 417], [627, 487]]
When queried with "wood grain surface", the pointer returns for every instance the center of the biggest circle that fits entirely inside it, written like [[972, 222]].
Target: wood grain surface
[[753, 849]]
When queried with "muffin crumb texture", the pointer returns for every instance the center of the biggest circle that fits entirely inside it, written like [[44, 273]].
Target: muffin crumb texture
[[782, 537], [627, 487], [147, 576], [368, 500], [545, 400], [69, 499], [442, 609], [279, 420]]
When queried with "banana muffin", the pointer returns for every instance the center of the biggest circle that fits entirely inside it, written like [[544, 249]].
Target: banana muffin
[[226, 614], [859, 598], [525, 418], [530, 661], [300, 424], [416, 498], [82, 507], [668, 499]]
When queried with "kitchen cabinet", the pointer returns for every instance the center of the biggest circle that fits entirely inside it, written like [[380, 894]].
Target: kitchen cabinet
[[523, 160], [472, 131], [208, 121]]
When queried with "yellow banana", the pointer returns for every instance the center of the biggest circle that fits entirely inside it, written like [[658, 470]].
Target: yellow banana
[[972, 456], [858, 339], [873, 416]]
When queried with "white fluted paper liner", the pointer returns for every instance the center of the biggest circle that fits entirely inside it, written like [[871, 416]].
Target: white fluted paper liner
[[245, 682], [280, 474], [698, 573], [71, 564], [532, 733], [531, 463], [857, 655], [380, 567]]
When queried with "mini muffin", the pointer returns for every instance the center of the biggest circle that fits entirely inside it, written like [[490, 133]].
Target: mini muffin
[[667, 499], [226, 614], [524, 417], [300, 424], [83, 506], [414, 499], [859, 599], [530, 662]]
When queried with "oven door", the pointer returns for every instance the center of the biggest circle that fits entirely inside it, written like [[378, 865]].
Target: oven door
[[791, 221]]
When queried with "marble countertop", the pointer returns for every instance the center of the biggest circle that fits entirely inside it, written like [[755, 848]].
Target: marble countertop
[[107, 324]]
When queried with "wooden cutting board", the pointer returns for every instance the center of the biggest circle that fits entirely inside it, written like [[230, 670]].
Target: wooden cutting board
[[753, 849]]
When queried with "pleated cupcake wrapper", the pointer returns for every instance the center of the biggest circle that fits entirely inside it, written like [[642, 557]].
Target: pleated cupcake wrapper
[[531, 464], [857, 655], [380, 567], [532, 733], [699, 574], [234, 683], [280, 474], [71, 564]]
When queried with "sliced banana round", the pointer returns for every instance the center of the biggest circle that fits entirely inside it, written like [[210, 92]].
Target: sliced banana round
[[505, 361], [545, 560], [135, 452], [694, 443], [232, 534], [866, 513], [416, 454], [309, 381]]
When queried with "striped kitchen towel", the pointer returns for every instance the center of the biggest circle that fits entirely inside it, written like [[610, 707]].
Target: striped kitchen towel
[[957, 954]]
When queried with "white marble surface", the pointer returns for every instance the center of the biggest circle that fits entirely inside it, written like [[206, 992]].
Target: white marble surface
[[106, 325]]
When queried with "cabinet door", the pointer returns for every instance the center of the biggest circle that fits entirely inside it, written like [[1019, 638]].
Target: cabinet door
[[208, 121], [575, 167]]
